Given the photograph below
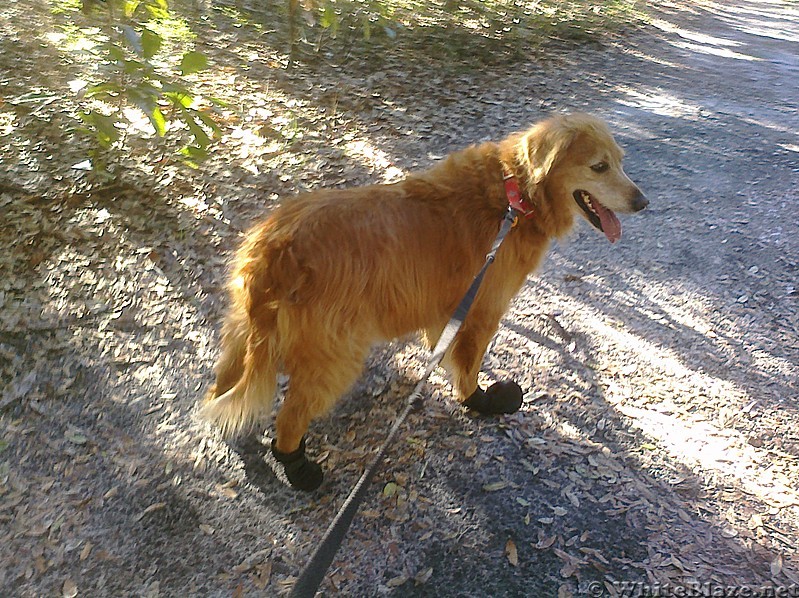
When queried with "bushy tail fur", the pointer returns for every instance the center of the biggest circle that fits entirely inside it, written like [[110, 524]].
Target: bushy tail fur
[[246, 374]]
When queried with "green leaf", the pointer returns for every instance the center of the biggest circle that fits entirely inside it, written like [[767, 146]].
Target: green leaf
[[367, 30], [115, 53], [102, 90], [158, 9], [200, 136], [193, 155], [328, 17], [104, 127], [194, 152], [133, 66], [193, 62], [158, 121], [130, 7], [209, 122], [220, 102], [134, 41], [143, 95], [330, 20], [150, 43], [179, 98]]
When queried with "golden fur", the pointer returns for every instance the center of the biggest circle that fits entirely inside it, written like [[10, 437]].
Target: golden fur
[[330, 273]]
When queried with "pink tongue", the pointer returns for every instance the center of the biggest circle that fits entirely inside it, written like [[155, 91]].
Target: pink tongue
[[610, 224]]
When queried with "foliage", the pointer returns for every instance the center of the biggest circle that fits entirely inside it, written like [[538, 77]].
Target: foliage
[[462, 28], [134, 71]]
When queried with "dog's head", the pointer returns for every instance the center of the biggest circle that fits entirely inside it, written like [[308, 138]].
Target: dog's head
[[575, 166]]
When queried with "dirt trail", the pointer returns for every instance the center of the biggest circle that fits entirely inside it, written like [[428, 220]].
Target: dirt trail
[[658, 442]]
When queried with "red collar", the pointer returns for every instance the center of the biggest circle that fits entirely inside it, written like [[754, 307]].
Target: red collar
[[515, 197]]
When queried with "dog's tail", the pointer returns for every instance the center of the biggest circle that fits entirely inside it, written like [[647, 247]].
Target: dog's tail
[[246, 374]]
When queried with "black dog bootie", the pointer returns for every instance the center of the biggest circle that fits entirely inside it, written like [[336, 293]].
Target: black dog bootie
[[301, 473], [501, 397]]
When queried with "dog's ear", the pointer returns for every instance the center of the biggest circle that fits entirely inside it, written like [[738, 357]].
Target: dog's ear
[[543, 145]]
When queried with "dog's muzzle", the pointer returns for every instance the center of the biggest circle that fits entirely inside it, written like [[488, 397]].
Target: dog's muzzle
[[638, 202]]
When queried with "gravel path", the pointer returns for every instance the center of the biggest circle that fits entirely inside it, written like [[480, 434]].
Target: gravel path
[[658, 442]]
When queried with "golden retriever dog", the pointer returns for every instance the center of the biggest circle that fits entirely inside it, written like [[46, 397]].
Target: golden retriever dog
[[330, 273]]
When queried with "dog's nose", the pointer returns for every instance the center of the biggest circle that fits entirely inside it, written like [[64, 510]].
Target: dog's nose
[[638, 201]]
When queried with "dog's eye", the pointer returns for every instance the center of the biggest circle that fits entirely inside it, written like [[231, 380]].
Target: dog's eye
[[600, 167]]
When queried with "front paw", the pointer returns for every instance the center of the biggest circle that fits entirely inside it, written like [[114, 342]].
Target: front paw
[[302, 473], [501, 397]]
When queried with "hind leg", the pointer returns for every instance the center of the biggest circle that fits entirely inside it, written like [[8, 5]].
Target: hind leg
[[315, 385]]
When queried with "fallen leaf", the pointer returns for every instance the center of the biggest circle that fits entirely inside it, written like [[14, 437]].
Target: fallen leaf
[[263, 575], [152, 508], [569, 569], [545, 543], [424, 576], [494, 486], [776, 566], [755, 521], [227, 492], [75, 437], [40, 564], [565, 592], [87, 550], [512, 553], [397, 581], [69, 589], [729, 532]]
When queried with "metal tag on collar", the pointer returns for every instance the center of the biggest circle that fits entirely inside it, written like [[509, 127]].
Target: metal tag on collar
[[515, 197]]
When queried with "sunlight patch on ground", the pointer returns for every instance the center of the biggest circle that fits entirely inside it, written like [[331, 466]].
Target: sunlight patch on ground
[[772, 33], [763, 21], [660, 387], [781, 128], [682, 306], [653, 357], [653, 59], [657, 102], [704, 446], [720, 52], [7, 120], [694, 36], [376, 158], [250, 147], [702, 43]]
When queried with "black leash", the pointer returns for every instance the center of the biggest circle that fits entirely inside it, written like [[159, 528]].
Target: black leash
[[311, 576]]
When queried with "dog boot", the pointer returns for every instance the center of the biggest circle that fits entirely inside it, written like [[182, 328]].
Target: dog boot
[[301, 473], [501, 397]]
